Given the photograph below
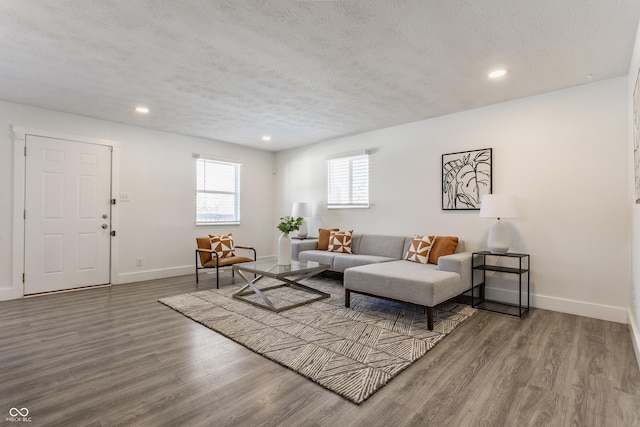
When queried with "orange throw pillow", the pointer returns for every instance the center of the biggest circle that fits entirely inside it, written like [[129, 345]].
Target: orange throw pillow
[[444, 245], [323, 238]]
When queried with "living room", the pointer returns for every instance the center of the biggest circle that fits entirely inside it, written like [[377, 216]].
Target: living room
[[566, 154]]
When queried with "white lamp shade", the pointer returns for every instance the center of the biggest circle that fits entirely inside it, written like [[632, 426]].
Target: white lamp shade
[[498, 206], [302, 209]]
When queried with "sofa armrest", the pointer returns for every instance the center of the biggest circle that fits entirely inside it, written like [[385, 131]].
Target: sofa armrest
[[458, 263], [298, 246]]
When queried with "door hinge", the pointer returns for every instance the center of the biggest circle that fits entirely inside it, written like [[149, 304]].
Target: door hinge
[[22, 277], [25, 151], [113, 232], [113, 201], [24, 215]]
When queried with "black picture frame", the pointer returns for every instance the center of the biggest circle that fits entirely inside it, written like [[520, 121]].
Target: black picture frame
[[466, 177]]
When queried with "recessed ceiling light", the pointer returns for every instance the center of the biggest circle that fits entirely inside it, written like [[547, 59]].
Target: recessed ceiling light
[[497, 73], [141, 109], [266, 138]]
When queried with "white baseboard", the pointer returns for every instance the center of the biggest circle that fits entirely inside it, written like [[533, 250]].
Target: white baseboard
[[579, 308], [6, 294], [161, 273], [635, 336]]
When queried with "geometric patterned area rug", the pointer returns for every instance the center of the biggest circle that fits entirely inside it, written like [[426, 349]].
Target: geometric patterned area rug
[[350, 351]]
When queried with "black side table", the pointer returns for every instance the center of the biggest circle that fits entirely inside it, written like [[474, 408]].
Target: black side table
[[479, 263]]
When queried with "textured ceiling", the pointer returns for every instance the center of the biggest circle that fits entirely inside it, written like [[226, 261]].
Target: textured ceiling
[[300, 71]]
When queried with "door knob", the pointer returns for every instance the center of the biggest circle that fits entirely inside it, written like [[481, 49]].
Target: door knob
[[105, 226]]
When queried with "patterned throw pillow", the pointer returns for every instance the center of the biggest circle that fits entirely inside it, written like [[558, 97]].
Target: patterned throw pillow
[[340, 241], [223, 245], [419, 249]]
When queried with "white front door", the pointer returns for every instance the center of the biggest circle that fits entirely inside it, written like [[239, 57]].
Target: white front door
[[67, 214]]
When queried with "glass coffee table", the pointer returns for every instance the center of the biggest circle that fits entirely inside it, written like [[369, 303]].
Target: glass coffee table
[[289, 275]]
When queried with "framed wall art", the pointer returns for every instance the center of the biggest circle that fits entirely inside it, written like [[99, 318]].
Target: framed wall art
[[466, 176]]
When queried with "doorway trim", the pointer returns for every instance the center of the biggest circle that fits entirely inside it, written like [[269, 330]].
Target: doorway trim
[[19, 168]]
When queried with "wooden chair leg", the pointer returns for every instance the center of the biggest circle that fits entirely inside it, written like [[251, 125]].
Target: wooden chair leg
[[430, 318], [347, 298]]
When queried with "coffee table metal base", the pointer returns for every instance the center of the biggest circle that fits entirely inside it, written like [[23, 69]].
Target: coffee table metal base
[[251, 289]]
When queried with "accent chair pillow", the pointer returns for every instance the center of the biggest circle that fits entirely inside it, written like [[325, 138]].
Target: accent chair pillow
[[419, 249], [340, 241], [323, 238], [443, 245], [223, 245]]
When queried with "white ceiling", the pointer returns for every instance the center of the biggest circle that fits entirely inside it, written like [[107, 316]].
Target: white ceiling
[[300, 71]]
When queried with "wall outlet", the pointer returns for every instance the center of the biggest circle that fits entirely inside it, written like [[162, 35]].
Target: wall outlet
[[125, 197], [139, 262]]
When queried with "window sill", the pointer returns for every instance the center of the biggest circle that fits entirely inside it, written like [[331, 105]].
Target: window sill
[[348, 207]]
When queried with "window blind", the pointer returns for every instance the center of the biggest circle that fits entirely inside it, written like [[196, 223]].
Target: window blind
[[348, 185], [217, 192]]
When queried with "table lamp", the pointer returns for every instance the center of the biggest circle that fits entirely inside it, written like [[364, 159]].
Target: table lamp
[[498, 206], [301, 209]]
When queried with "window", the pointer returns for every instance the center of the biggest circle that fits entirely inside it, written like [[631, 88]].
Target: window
[[349, 181], [217, 192]]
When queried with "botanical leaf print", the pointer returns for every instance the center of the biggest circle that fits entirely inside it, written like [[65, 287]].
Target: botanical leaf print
[[465, 179]]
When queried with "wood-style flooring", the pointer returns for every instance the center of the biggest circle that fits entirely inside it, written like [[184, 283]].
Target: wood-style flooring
[[115, 356]]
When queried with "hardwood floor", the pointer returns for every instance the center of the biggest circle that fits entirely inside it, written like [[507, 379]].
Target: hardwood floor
[[115, 356]]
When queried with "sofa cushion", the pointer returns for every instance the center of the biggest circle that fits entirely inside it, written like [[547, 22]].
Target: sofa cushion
[[380, 245], [340, 241], [443, 245], [323, 238], [223, 245], [344, 261], [419, 249], [323, 257], [403, 280]]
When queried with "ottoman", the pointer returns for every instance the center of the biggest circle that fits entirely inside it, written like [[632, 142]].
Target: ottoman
[[404, 281]]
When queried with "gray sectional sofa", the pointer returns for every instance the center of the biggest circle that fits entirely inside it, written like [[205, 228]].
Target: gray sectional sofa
[[366, 248], [377, 268]]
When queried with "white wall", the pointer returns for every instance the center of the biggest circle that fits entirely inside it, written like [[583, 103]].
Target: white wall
[[634, 293], [157, 169], [564, 154]]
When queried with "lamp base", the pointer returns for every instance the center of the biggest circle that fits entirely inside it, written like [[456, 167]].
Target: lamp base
[[498, 242], [303, 231]]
